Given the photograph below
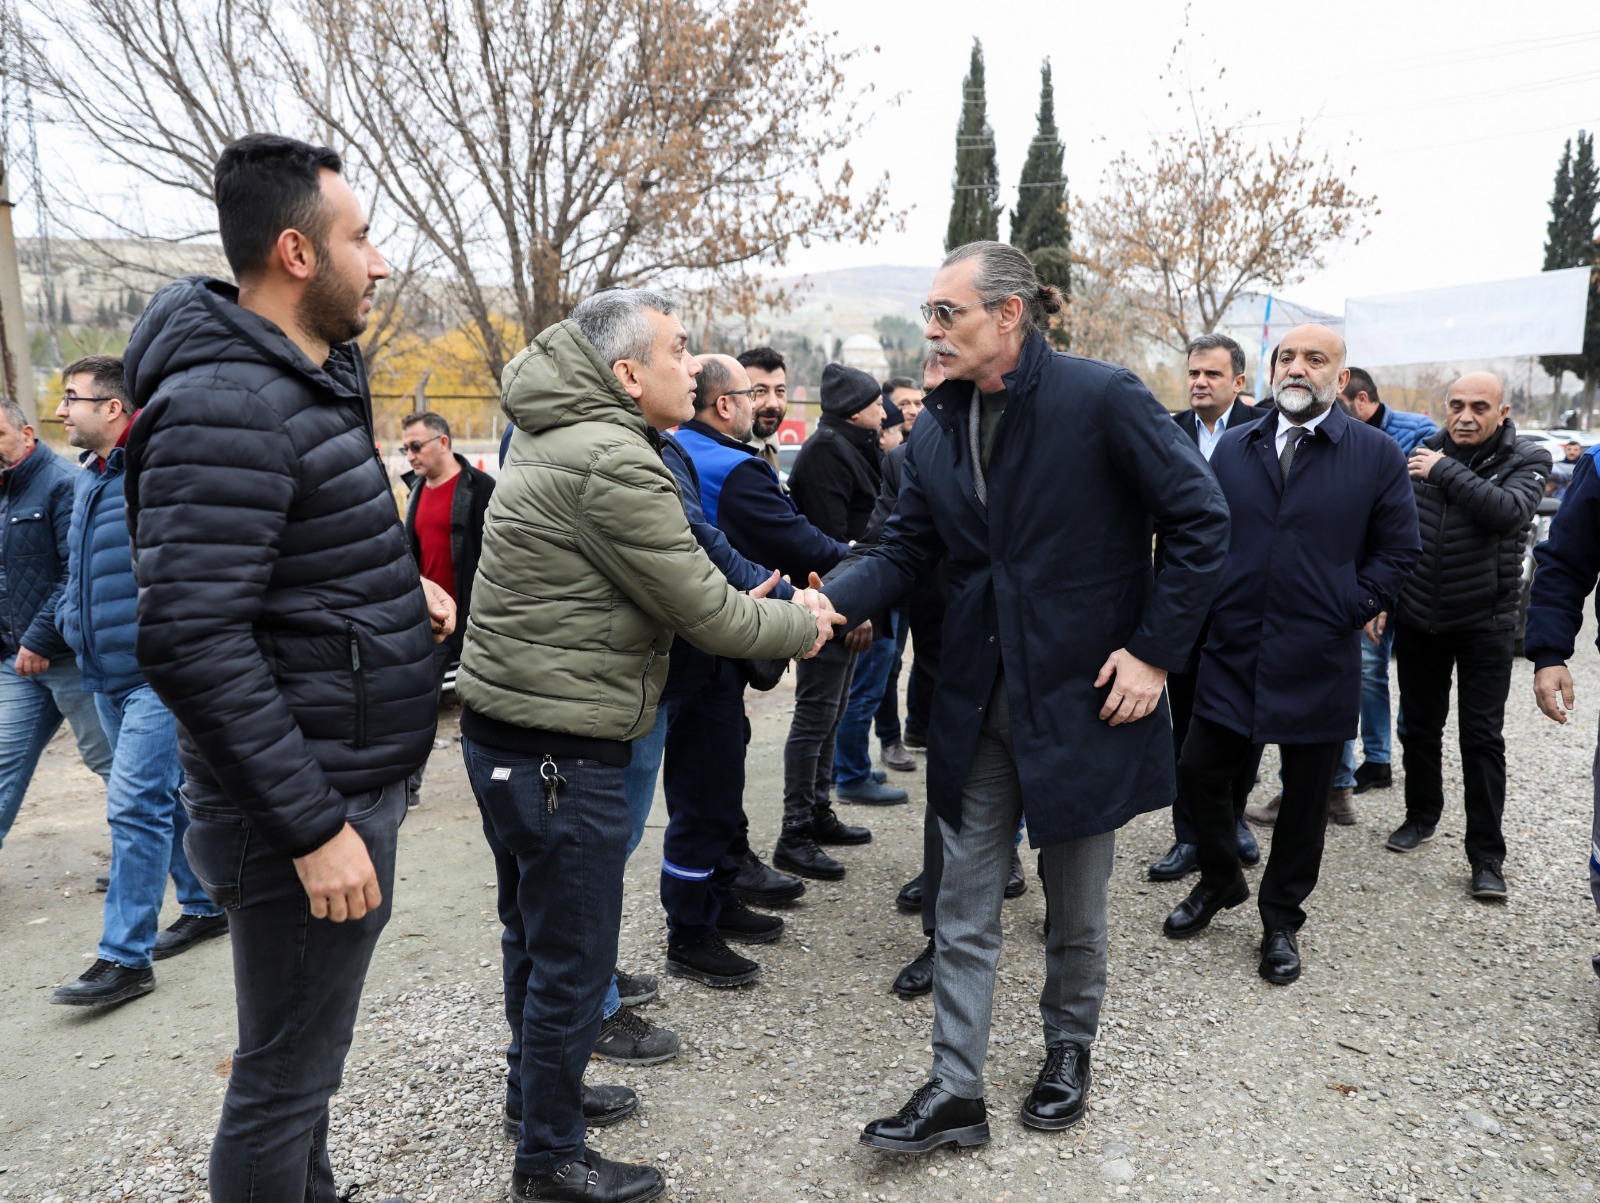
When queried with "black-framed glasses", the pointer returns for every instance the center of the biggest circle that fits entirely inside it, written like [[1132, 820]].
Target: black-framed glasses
[[945, 314], [416, 448], [740, 392], [73, 398]]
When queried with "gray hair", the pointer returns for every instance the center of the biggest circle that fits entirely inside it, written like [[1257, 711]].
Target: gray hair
[[1218, 342], [614, 323], [1005, 272], [12, 414]]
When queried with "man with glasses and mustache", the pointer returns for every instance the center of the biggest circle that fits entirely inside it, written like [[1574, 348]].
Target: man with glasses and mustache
[[1324, 534], [1039, 479], [444, 525]]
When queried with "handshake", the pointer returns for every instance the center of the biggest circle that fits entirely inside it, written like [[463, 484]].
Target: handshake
[[814, 600]]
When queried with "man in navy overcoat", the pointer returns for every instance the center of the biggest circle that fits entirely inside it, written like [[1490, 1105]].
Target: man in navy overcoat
[[1324, 533], [1040, 479]]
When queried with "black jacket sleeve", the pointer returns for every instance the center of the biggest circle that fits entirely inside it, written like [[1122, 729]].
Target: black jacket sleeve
[[1568, 566], [888, 494], [212, 477], [823, 484], [762, 526], [1504, 506]]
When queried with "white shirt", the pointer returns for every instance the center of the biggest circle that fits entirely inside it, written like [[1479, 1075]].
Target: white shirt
[[1285, 426], [1210, 438]]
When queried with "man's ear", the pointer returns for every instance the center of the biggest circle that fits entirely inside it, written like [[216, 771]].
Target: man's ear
[[295, 255], [628, 377], [1010, 314]]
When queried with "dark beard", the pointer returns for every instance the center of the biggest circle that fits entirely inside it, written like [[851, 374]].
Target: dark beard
[[330, 310], [765, 425]]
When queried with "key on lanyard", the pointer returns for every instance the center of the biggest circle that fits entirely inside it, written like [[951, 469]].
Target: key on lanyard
[[553, 782]]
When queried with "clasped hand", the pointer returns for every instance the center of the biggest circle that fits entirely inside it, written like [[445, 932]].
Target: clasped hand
[[813, 600]]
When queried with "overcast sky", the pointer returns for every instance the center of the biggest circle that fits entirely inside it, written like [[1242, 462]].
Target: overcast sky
[[1453, 115]]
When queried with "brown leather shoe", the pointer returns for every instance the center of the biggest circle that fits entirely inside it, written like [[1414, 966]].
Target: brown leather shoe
[[1266, 815], [1342, 807]]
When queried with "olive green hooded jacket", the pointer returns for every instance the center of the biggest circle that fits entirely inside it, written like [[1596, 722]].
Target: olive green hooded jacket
[[588, 566]]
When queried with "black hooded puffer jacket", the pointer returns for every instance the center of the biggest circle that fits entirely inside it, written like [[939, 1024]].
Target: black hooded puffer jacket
[[281, 615]]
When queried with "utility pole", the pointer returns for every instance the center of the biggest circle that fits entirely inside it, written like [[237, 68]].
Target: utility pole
[[16, 369]]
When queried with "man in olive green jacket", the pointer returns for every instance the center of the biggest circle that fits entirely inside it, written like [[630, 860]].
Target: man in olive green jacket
[[588, 571]]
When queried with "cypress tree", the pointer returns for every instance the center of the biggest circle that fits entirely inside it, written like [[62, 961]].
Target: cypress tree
[[1040, 218], [975, 206], [1570, 242]]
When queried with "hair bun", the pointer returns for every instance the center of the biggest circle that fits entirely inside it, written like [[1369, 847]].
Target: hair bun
[[1049, 298]]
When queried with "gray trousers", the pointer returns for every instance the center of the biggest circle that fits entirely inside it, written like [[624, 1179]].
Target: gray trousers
[[821, 692], [977, 860]]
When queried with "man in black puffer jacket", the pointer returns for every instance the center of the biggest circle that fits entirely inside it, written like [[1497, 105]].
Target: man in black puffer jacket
[[283, 620], [1477, 488]]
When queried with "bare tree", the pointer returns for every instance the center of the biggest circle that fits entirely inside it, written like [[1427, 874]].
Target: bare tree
[[548, 148], [1210, 213]]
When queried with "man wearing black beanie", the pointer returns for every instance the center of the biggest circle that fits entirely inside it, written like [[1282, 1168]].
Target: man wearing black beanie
[[834, 484]]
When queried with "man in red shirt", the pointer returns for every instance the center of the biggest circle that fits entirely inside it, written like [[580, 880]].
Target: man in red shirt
[[444, 524]]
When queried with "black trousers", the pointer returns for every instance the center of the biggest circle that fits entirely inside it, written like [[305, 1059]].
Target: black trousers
[[1212, 756], [927, 641], [1482, 664], [887, 721], [932, 867], [1180, 696]]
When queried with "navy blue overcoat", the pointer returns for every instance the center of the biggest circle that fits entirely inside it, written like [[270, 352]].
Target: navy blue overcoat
[[1050, 578], [1309, 565]]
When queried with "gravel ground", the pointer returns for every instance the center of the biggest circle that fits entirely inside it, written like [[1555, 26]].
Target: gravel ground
[[1436, 1048]]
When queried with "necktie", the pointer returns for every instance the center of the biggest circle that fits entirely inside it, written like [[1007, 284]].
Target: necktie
[[1286, 456]]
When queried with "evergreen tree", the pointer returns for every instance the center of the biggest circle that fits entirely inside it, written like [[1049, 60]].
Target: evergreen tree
[[1570, 242], [1040, 218], [975, 207]]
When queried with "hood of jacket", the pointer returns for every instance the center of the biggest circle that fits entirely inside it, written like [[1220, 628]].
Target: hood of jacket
[[559, 380], [197, 321]]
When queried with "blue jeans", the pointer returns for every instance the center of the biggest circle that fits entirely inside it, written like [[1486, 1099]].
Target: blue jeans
[[1344, 776], [1376, 741], [559, 872], [147, 825], [31, 710], [297, 983], [639, 786], [852, 747]]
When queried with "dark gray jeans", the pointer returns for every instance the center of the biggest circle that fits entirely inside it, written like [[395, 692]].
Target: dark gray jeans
[[821, 692], [977, 861]]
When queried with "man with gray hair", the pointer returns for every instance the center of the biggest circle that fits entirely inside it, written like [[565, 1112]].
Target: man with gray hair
[[1050, 700], [39, 679], [1324, 533], [588, 570]]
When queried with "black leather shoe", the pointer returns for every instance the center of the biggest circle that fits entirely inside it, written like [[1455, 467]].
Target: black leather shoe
[[1372, 775], [1016, 880], [711, 962], [1409, 836], [104, 984], [744, 926], [602, 1107], [871, 793], [932, 1117], [917, 743], [828, 828], [1487, 883], [758, 885], [916, 979], [1280, 957], [798, 853], [1180, 861], [590, 1179], [186, 932], [910, 896], [1061, 1092], [1249, 850], [1194, 914]]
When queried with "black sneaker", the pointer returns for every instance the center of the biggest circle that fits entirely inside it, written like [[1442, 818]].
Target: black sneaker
[[635, 989], [628, 1039], [104, 984], [798, 853], [828, 828], [186, 932], [1371, 774], [1487, 882], [759, 885], [711, 962], [742, 925], [590, 1179], [1408, 836]]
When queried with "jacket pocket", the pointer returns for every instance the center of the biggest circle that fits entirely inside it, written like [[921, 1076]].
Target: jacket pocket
[[358, 685], [644, 691], [216, 849]]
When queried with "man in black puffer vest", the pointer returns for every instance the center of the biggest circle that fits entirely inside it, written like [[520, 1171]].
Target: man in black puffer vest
[[283, 620], [1477, 488]]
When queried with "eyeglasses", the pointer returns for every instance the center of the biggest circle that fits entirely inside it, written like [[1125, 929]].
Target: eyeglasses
[[416, 448], [74, 398], [741, 392], [946, 314]]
